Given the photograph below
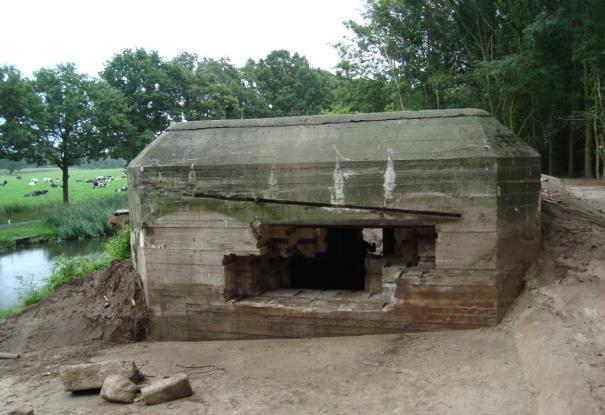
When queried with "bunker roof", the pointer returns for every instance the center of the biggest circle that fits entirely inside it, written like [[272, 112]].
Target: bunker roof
[[407, 135]]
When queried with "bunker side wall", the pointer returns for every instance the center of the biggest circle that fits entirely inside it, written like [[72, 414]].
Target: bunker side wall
[[518, 224]]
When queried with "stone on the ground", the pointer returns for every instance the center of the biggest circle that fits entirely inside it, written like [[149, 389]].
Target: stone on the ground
[[91, 375], [169, 389], [22, 410], [9, 355], [118, 388]]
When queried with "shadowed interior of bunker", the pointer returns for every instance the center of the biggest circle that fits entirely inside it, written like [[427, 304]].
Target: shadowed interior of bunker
[[327, 258]]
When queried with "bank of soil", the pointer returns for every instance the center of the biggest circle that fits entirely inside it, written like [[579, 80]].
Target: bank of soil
[[568, 279], [465, 372], [107, 306]]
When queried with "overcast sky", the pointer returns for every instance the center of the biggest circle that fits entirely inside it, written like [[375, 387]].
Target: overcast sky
[[39, 33]]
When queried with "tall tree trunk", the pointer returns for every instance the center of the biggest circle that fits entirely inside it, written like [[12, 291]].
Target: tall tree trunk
[[65, 170], [588, 149], [587, 129], [570, 154], [550, 158]]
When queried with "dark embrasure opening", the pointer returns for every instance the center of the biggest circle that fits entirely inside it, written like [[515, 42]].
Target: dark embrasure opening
[[341, 267]]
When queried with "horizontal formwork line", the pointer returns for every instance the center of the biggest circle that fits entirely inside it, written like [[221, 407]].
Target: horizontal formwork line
[[304, 313], [341, 328], [324, 205]]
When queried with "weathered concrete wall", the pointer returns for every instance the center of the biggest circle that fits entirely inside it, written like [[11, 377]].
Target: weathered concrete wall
[[193, 202]]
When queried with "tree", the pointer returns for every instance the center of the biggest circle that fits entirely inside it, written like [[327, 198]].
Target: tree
[[217, 92], [79, 120], [12, 165], [288, 84], [143, 79], [537, 65], [20, 109]]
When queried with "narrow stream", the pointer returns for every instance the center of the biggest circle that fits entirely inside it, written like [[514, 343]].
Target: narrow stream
[[31, 264]]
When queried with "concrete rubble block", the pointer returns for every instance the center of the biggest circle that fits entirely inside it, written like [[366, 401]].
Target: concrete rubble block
[[91, 375], [118, 388], [169, 389], [23, 410]]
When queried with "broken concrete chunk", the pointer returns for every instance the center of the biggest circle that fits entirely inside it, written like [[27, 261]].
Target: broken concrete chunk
[[91, 375], [118, 388], [169, 389], [24, 410], [9, 355]]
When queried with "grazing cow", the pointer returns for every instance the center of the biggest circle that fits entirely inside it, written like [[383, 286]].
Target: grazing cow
[[18, 177], [37, 193], [47, 179], [4, 183], [98, 183]]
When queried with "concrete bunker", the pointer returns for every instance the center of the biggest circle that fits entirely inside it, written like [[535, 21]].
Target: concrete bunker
[[333, 225]]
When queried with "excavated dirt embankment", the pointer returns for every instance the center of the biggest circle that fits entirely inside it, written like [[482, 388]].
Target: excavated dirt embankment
[[107, 306]]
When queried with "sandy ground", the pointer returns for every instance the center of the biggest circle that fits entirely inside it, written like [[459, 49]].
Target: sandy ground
[[569, 279], [467, 372], [474, 372]]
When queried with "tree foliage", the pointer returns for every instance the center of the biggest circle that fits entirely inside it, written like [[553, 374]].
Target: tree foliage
[[20, 109], [68, 118], [537, 65], [288, 84]]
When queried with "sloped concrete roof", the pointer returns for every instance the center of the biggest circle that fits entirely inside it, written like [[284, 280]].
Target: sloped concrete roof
[[409, 135]]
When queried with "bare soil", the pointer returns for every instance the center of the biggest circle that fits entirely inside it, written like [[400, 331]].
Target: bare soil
[[107, 306], [466, 372], [569, 276]]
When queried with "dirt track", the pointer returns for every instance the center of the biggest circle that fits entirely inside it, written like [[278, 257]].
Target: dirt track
[[469, 372]]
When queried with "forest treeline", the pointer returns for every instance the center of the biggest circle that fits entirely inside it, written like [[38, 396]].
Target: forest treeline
[[537, 65]]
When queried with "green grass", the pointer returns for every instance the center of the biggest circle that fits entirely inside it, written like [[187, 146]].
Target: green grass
[[86, 215], [9, 234], [84, 219], [67, 269], [15, 206], [27, 229]]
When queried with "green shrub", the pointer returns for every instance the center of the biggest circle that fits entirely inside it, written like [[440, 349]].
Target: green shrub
[[63, 270], [20, 210], [118, 247], [66, 269], [85, 219]]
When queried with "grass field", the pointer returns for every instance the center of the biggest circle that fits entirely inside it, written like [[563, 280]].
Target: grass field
[[14, 205]]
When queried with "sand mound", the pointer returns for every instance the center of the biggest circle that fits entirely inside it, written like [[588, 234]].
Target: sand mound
[[105, 306]]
